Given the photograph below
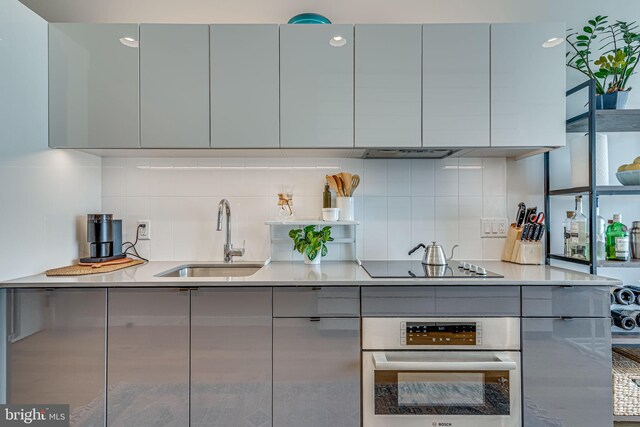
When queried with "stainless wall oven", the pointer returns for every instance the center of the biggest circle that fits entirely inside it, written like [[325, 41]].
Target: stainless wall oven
[[441, 372]]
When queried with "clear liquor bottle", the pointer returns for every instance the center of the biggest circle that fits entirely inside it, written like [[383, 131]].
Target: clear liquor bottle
[[601, 229], [567, 233], [617, 240], [579, 232]]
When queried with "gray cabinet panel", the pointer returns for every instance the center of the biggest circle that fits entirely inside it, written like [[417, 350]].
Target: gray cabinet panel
[[174, 86], [456, 105], [93, 86], [316, 302], [245, 96], [441, 301], [55, 350], [388, 85], [316, 86], [148, 357], [316, 373], [566, 368], [569, 301], [231, 357]]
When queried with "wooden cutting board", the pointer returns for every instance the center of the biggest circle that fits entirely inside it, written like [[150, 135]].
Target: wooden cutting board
[[83, 270]]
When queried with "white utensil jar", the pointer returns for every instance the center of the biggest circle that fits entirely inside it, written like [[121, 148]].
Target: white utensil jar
[[345, 204]]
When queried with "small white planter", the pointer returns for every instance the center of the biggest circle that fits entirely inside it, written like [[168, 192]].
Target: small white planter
[[315, 261]]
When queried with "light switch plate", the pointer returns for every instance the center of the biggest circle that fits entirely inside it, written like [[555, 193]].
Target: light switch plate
[[493, 227]]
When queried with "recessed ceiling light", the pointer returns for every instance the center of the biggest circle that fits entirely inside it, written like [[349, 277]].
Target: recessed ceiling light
[[553, 42], [129, 42], [337, 41]]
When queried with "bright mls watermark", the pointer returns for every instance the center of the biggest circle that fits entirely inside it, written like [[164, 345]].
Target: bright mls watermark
[[34, 415]]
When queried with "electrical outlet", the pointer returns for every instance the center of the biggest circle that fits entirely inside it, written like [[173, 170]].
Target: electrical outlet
[[144, 229], [493, 227]]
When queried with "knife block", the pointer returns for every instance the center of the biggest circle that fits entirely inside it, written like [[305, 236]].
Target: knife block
[[529, 253], [513, 236]]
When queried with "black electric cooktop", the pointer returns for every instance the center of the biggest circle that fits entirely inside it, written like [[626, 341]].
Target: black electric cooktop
[[415, 269]]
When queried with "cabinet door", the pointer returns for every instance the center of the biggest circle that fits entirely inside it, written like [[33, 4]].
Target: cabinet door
[[148, 357], [245, 82], [388, 80], [566, 368], [316, 378], [455, 100], [231, 357], [93, 86], [174, 86], [55, 346], [316, 86], [528, 84]]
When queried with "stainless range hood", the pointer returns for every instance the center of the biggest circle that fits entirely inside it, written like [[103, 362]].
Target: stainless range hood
[[408, 153]]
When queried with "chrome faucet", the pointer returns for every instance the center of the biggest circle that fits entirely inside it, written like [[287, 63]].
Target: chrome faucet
[[229, 251]]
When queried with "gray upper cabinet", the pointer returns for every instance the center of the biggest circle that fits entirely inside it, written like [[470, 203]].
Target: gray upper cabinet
[[455, 96], [231, 357], [245, 86], [174, 86], [93, 86], [566, 372], [528, 84], [388, 81], [316, 372], [316, 86]]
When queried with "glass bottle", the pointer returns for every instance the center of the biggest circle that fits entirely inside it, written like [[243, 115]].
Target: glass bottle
[[617, 240], [580, 232], [326, 197], [567, 233], [601, 251]]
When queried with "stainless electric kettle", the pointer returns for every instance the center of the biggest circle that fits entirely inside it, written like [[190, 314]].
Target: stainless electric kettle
[[433, 254]]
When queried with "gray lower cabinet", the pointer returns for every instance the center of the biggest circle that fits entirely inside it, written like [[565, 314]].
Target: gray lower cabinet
[[52, 350], [148, 357], [316, 372], [566, 365], [231, 357]]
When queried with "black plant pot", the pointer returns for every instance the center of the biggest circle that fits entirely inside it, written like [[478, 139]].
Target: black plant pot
[[612, 101]]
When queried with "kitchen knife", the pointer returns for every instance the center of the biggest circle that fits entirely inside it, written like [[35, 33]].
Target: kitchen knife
[[520, 215], [542, 230], [536, 232], [525, 231], [531, 231]]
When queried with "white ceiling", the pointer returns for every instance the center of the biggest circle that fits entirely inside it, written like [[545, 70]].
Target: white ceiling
[[339, 11]]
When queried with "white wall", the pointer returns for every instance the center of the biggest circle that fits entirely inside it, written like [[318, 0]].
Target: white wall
[[400, 203], [44, 193]]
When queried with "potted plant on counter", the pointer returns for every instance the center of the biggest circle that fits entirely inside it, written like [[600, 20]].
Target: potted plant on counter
[[615, 63], [311, 242]]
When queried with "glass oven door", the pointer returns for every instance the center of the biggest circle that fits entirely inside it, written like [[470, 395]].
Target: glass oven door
[[443, 383]]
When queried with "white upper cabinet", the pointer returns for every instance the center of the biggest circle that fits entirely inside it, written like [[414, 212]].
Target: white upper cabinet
[[93, 86], [244, 86], [388, 79], [316, 86], [456, 85], [174, 86], [528, 84]]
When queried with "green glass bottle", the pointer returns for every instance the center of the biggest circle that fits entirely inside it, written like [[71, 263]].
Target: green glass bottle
[[617, 240]]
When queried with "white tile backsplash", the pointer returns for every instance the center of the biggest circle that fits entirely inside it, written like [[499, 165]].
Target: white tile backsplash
[[400, 203]]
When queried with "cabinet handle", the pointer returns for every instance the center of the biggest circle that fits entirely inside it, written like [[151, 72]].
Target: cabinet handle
[[564, 318], [314, 319], [12, 304], [316, 288]]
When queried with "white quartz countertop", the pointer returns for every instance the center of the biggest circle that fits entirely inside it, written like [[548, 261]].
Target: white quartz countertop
[[334, 273]]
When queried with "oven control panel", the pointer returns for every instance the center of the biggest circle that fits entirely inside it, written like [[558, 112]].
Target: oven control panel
[[441, 333]]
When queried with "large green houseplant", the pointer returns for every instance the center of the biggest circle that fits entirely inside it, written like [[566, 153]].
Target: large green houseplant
[[311, 243], [611, 63]]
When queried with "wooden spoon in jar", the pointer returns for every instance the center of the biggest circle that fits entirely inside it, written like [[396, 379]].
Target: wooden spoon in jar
[[340, 185], [346, 183], [332, 183], [355, 181]]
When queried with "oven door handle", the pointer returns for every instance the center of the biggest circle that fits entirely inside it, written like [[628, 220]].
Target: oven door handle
[[504, 363]]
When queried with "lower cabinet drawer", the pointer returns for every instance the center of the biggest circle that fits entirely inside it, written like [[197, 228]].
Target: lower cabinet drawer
[[565, 301], [492, 301], [326, 301]]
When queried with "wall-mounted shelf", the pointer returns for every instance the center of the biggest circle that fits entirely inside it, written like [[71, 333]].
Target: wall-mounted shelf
[[601, 190], [305, 222], [626, 418], [570, 259], [608, 121], [632, 263]]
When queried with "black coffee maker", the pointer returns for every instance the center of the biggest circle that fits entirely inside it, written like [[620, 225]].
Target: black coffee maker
[[104, 235]]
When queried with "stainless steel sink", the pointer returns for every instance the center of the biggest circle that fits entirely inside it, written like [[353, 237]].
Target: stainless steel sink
[[213, 270]]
